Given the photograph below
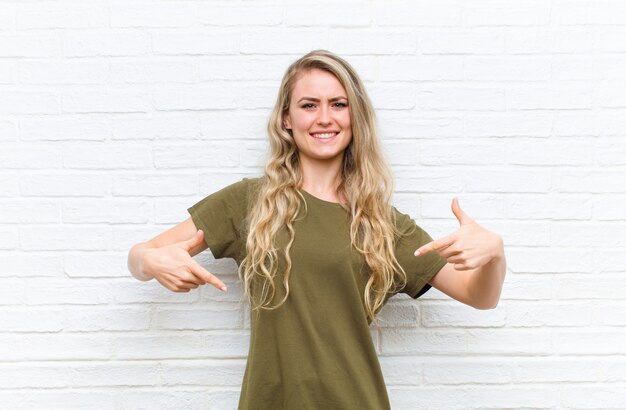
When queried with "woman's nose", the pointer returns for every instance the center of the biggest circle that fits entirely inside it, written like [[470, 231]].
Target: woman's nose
[[324, 117]]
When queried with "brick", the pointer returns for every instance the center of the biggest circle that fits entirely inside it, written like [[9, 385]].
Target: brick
[[526, 286], [222, 317], [7, 17], [209, 372], [508, 341], [543, 40], [406, 13], [8, 72], [273, 41], [401, 370], [464, 152], [401, 152], [87, 184], [583, 397], [584, 12], [249, 68], [589, 341], [29, 265], [33, 375], [608, 260], [608, 314], [423, 341], [134, 291], [8, 130], [442, 98], [31, 320], [29, 45], [153, 184], [30, 156], [55, 347], [24, 102], [222, 155], [328, 14], [57, 292], [12, 292], [547, 315], [569, 68], [441, 126], [9, 185], [234, 14], [558, 369], [469, 370], [609, 40], [152, 15], [135, 71], [427, 181], [195, 97], [508, 124], [106, 155], [398, 314], [53, 16], [160, 126], [474, 41], [105, 43], [461, 315], [101, 210], [611, 94], [549, 97], [553, 206], [494, 13], [550, 261], [527, 181], [424, 68], [576, 123], [96, 264], [87, 318], [372, 41], [207, 42], [107, 100], [65, 127], [576, 287], [210, 344]]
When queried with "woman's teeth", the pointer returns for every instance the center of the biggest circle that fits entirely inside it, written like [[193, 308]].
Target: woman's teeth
[[324, 136]]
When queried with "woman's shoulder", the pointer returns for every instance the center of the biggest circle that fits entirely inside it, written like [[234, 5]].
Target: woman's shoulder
[[404, 222]]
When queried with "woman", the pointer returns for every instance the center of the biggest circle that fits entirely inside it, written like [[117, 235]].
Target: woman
[[320, 249]]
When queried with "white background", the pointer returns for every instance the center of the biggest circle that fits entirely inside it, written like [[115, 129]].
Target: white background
[[115, 117]]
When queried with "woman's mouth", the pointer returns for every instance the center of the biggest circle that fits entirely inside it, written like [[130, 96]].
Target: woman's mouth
[[324, 136]]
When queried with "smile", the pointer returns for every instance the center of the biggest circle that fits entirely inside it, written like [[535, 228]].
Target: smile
[[324, 136]]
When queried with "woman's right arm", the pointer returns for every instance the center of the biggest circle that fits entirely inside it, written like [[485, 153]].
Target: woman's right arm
[[168, 258]]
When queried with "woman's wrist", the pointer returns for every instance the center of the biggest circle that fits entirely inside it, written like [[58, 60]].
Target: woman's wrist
[[138, 262]]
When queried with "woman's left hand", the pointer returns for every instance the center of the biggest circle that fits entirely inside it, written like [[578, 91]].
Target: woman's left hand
[[470, 247]]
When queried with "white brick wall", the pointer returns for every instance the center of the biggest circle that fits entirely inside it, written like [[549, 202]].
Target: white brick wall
[[116, 117]]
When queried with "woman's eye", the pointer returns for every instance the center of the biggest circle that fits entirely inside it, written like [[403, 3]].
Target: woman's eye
[[336, 104]]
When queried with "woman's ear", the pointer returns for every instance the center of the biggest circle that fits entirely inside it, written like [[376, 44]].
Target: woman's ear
[[287, 121]]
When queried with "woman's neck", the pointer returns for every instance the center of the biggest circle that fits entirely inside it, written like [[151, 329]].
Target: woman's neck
[[322, 179]]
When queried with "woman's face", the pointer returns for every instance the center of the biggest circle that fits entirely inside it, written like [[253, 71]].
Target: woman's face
[[319, 116]]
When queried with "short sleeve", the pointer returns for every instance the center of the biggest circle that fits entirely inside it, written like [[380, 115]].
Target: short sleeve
[[221, 217], [419, 269]]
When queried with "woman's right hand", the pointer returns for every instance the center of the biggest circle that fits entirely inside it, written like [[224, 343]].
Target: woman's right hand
[[173, 267]]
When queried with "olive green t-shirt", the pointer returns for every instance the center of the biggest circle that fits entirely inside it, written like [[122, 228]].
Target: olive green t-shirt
[[316, 350]]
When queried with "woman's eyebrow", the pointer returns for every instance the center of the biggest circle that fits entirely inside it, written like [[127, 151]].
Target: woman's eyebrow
[[317, 99]]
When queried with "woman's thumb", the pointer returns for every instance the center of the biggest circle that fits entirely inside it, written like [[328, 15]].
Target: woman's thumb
[[194, 240]]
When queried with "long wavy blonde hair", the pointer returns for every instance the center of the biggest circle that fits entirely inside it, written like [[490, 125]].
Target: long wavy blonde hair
[[366, 182]]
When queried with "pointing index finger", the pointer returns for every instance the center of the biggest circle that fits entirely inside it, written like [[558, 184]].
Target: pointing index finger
[[434, 246], [207, 276]]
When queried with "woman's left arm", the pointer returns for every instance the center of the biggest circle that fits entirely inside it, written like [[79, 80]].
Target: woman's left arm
[[476, 263]]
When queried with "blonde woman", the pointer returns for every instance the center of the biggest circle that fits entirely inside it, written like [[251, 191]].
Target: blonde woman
[[320, 248]]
